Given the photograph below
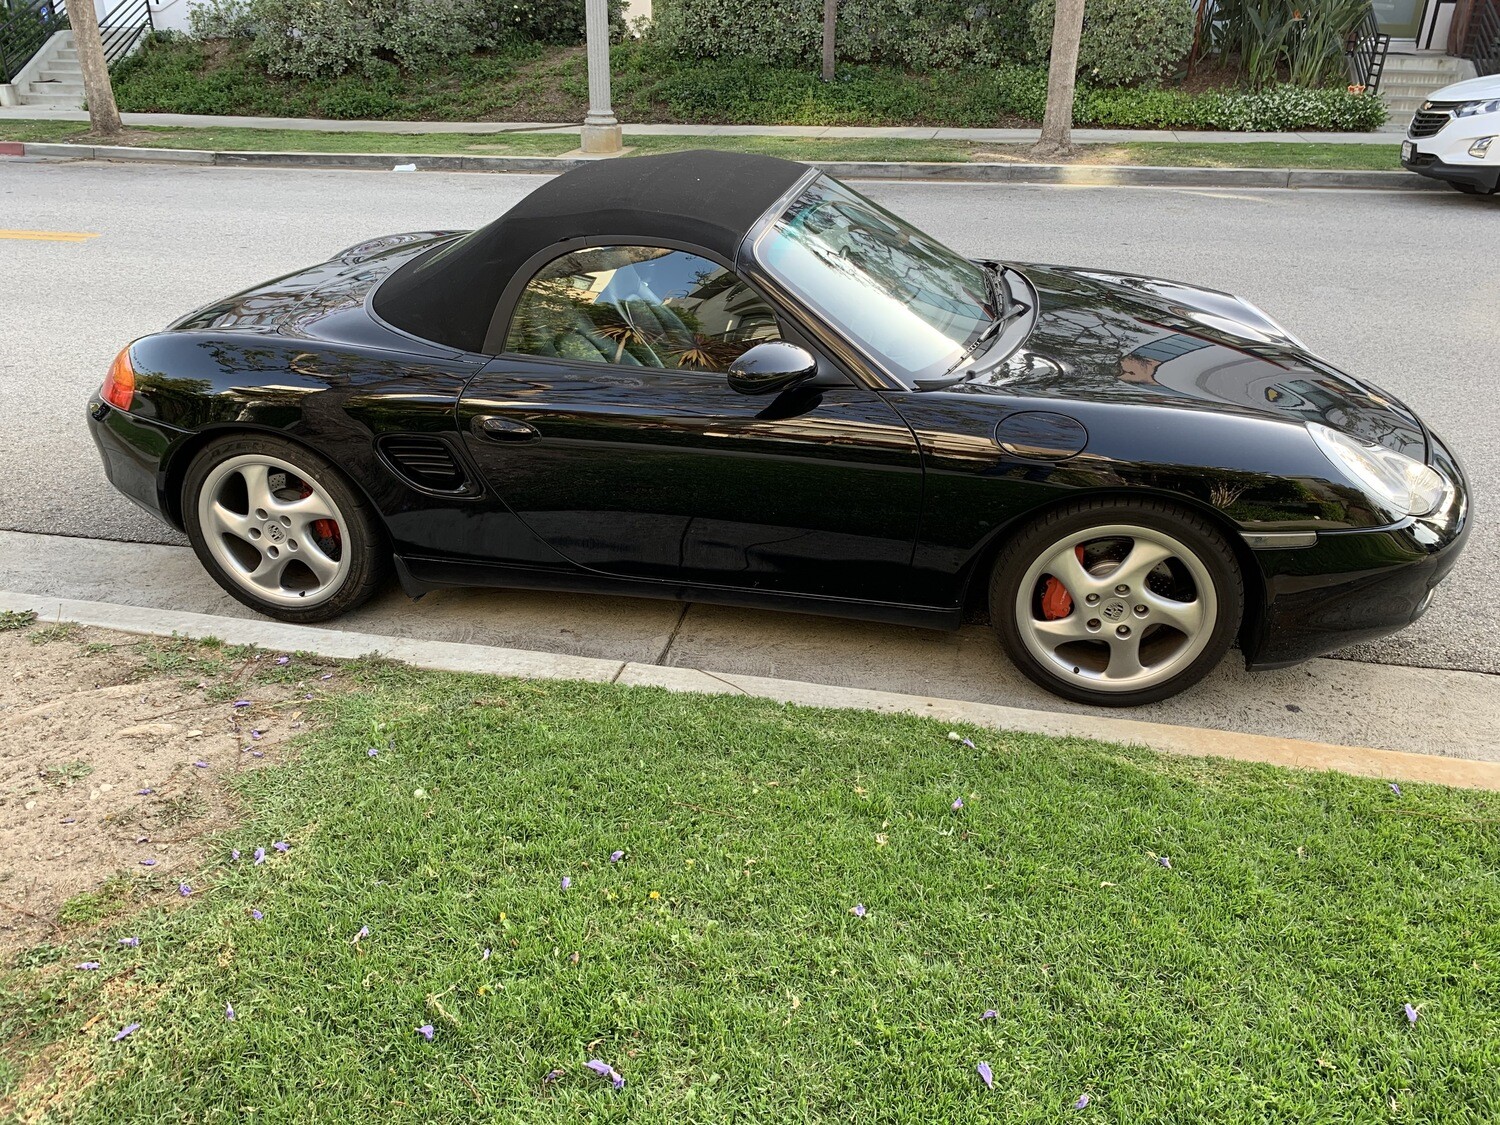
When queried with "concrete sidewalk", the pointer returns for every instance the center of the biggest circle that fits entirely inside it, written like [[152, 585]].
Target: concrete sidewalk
[[1421, 711], [830, 132]]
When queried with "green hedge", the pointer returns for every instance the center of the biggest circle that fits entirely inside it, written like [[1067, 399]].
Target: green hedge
[[918, 34], [747, 93], [532, 83], [1124, 42]]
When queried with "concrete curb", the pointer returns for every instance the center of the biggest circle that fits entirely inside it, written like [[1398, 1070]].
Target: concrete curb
[[455, 657], [1089, 175]]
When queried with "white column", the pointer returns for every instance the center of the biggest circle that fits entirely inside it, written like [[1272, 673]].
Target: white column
[[601, 132]]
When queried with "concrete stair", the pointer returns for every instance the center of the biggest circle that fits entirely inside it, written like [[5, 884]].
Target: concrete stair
[[1409, 80], [53, 78]]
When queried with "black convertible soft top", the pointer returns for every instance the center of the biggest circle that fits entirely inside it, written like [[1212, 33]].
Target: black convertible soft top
[[703, 198]]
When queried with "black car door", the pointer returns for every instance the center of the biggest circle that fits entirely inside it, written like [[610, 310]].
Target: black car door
[[609, 428]]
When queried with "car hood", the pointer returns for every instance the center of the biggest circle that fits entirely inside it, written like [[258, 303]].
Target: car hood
[[1469, 90], [1106, 337]]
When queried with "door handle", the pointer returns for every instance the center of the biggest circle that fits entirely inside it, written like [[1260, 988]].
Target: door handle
[[492, 427]]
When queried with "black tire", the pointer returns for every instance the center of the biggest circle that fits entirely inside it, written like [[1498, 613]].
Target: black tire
[[360, 533], [1033, 542]]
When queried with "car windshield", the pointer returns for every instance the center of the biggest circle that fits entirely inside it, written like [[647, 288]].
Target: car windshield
[[901, 294]]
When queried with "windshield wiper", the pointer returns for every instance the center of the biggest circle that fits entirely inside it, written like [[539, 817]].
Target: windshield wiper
[[1013, 312]]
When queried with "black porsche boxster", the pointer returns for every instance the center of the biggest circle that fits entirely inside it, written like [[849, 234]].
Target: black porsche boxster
[[733, 379]]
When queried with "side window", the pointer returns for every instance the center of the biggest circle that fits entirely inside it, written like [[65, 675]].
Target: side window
[[639, 305]]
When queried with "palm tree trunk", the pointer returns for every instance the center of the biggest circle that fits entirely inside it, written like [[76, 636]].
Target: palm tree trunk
[[104, 115], [1062, 76]]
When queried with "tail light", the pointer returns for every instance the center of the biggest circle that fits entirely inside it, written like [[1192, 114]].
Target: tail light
[[119, 384]]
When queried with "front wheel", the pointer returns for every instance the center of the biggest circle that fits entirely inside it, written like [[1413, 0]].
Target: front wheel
[[1117, 603], [280, 529]]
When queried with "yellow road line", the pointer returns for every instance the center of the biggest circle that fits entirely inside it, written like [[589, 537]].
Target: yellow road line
[[48, 235]]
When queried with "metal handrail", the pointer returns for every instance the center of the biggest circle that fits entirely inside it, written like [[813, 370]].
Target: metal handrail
[[1482, 42], [123, 27], [1366, 49], [24, 31]]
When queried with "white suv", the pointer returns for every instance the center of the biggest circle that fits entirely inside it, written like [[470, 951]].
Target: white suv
[[1455, 136]]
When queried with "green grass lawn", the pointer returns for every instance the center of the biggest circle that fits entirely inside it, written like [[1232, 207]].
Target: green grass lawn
[[1257, 154], [1180, 940]]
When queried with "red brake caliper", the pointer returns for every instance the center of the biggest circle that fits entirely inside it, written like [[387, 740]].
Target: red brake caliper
[[326, 530], [1056, 601]]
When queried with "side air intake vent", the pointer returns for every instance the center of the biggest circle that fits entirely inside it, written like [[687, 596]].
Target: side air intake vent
[[425, 461]]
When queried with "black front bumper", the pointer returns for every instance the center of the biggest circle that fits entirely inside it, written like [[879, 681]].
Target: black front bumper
[[1356, 586], [135, 452], [1471, 175]]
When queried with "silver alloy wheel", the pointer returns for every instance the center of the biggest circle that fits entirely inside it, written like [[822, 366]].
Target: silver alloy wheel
[[1125, 630], [265, 539]]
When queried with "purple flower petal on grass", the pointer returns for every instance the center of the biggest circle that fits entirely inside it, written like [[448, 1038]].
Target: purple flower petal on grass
[[282, 846], [1082, 1102], [858, 910], [969, 742], [131, 942], [234, 854], [1165, 861], [326, 676], [128, 1029], [144, 792], [91, 965], [202, 765], [283, 660], [229, 1011], [70, 820], [257, 753], [242, 703], [986, 1075], [364, 932], [256, 734], [426, 1031], [184, 890], [148, 863], [372, 752], [260, 855], [257, 915], [552, 1076], [615, 857], [566, 882], [1411, 1013], [1396, 789], [604, 1070], [958, 803], [990, 1014]]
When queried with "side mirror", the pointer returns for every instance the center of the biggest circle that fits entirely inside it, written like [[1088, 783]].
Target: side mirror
[[772, 366]]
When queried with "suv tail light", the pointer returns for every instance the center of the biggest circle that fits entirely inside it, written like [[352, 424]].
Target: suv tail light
[[119, 384]]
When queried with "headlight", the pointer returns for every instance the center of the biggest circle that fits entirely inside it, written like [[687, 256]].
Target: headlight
[[1471, 109], [1401, 485]]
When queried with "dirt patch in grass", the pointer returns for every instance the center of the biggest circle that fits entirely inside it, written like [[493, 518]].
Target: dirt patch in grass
[[124, 137], [116, 754], [545, 89]]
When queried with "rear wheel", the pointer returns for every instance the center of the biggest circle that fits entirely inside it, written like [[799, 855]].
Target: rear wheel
[[279, 528], [1117, 603]]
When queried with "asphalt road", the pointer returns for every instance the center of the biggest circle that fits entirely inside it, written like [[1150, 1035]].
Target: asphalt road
[[1401, 288]]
